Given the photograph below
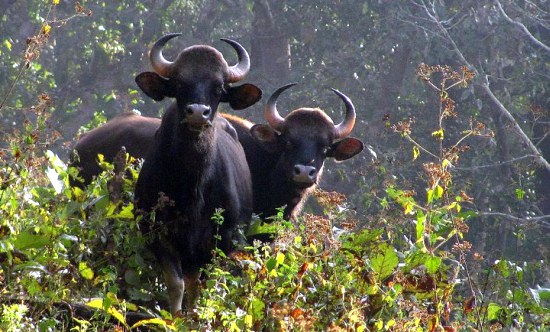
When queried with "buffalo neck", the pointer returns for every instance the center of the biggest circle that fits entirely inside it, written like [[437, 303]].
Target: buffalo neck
[[183, 147]]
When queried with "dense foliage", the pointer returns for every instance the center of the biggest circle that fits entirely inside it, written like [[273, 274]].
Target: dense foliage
[[445, 229]]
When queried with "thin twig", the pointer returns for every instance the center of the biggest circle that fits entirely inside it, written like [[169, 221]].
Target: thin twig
[[410, 139]]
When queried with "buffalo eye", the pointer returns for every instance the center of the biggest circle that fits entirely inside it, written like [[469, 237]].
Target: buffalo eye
[[219, 90], [289, 145]]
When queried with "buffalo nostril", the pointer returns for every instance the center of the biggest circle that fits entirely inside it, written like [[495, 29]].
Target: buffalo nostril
[[206, 113], [304, 174]]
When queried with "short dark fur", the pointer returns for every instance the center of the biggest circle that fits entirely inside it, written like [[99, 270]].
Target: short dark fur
[[130, 130]]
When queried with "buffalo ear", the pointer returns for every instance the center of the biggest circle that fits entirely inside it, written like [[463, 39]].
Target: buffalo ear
[[242, 96], [265, 136], [345, 149], [154, 85]]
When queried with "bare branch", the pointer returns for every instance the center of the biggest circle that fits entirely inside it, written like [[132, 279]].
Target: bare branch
[[543, 221], [497, 164], [523, 28], [524, 138]]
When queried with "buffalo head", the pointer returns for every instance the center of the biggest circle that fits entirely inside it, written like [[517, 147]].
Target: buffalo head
[[199, 79], [305, 138]]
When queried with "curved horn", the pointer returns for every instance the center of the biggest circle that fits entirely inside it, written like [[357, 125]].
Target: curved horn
[[345, 127], [159, 63], [238, 71], [271, 114]]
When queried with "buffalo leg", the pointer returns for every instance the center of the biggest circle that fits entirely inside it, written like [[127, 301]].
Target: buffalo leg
[[192, 289], [174, 284]]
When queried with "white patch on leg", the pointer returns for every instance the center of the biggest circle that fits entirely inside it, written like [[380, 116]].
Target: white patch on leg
[[175, 287]]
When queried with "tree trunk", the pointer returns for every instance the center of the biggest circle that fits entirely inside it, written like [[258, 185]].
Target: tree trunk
[[270, 49]]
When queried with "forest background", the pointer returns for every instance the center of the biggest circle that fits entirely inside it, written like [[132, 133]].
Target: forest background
[[473, 151]]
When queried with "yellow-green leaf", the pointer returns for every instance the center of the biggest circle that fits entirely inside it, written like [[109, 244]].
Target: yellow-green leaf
[[438, 134], [416, 152], [7, 44], [248, 321], [454, 205], [85, 271], [46, 29], [438, 192], [55, 2], [98, 304], [127, 212], [153, 321], [95, 303], [280, 258], [408, 207]]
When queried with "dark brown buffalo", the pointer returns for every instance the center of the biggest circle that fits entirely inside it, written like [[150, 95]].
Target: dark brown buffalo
[[195, 164], [286, 156]]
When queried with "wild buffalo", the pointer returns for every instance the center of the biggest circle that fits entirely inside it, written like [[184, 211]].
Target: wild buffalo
[[195, 164], [286, 156]]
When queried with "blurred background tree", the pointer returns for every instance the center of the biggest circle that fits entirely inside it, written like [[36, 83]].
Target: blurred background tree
[[85, 56]]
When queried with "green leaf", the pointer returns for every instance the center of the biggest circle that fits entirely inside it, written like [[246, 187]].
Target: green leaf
[[432, 264], [28, 240], [33, 287], [127, 212], [492, 311], [257, 307], [384, 203], [259, 227], [385, 262], [270, 264], [540, 294], [85, 271], [415, 259], [520, 193]]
